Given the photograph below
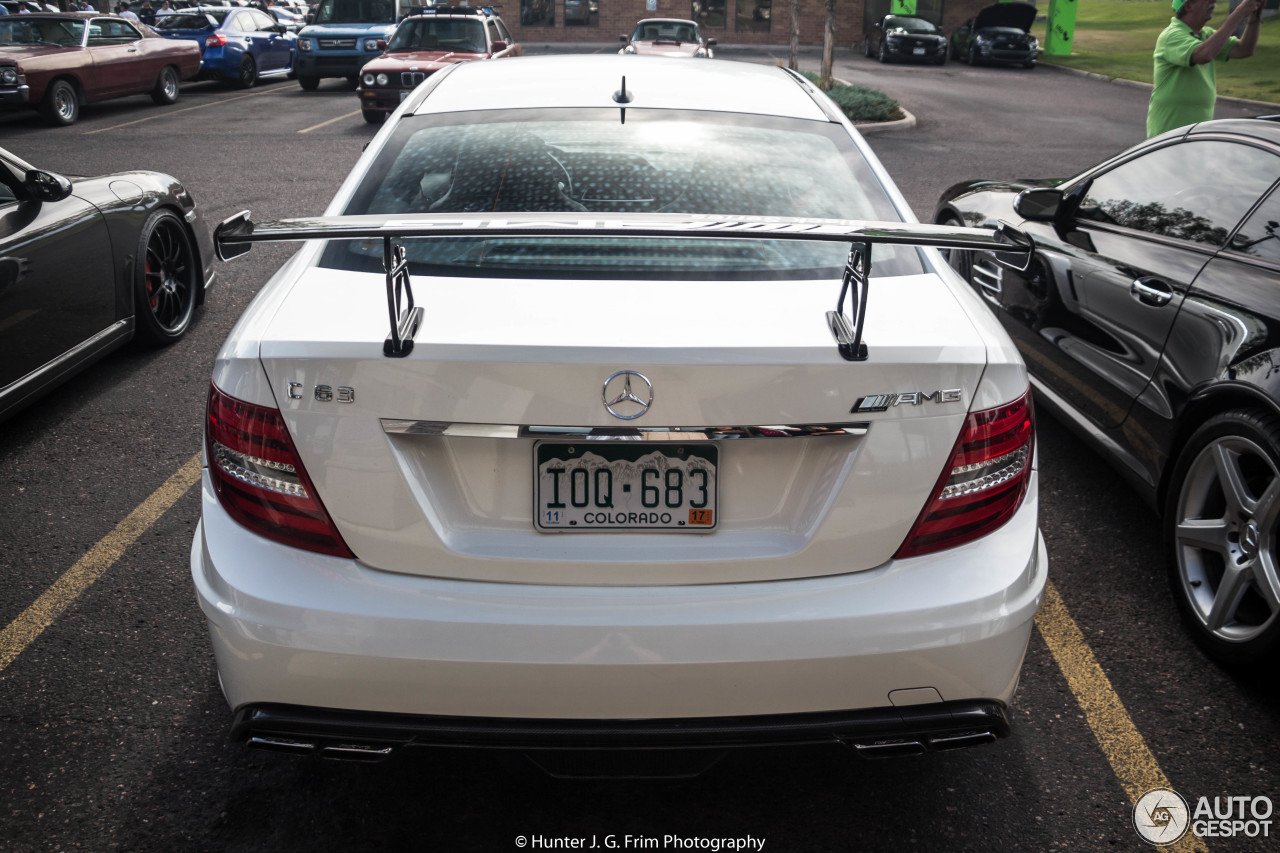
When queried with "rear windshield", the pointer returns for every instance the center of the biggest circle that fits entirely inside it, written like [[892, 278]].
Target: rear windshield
[[460, 35], [355, 12], [591, 162], [191, 21]]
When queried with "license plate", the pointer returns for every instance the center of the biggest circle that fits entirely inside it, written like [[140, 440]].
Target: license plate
[[919, 51], [594, 487]]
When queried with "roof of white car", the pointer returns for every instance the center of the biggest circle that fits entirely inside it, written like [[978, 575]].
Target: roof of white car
[[652, 83]]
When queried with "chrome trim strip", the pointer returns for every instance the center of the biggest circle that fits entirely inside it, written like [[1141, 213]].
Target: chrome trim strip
[[394, 426]]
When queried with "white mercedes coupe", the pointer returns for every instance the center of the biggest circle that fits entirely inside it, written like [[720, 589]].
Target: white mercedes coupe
[[618, 404]]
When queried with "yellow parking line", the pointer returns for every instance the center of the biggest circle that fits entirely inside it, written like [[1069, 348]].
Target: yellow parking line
[[330, 121], [23, 631], [1131, 760], [185, 110]]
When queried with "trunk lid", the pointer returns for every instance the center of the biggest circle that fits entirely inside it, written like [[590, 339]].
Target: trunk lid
[[460, 503]]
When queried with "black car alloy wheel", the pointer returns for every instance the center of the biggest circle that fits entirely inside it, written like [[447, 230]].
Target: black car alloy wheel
[[167, 278], [1221, 527], [248, 73]]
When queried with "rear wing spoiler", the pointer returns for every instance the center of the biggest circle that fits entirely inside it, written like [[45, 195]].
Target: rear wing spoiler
[[235, 236]]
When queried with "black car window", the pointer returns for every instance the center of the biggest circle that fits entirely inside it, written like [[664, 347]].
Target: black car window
[[355, 12], [1260, 236], [493, 32], [1197, 190], [8, 193]]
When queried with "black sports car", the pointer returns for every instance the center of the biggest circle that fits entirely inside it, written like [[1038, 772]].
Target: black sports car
[[86, 266], [904, 37], [999, 35], [1150, 322]]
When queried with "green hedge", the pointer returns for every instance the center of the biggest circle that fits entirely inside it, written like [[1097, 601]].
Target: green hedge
[[861, 104]]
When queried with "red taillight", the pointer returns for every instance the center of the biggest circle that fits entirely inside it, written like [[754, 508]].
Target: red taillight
[[215, 40], [983, 483], [259, 477]]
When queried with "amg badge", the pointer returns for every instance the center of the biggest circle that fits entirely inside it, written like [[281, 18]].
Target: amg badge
[[882, 402]]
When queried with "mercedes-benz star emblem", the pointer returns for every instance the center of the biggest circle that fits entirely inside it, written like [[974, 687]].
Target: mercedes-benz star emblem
[[627, 394]]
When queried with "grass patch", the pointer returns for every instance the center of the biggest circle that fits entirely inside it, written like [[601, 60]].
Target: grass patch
[[1115, 38], [859, 103]]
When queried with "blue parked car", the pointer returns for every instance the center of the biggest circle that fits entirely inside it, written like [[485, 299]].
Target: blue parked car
[[240, 44]]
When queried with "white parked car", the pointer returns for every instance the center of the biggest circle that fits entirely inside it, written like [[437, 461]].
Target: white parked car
[[603, 412]]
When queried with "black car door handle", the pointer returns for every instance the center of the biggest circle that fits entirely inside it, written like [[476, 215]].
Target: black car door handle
[[1151, 291]]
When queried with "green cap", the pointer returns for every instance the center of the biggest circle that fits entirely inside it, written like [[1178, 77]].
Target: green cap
[[1178, 4]]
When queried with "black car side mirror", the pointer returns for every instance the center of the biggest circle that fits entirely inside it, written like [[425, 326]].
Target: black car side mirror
[[711, 42], [624, 39], [46, 186], [1040, 204]]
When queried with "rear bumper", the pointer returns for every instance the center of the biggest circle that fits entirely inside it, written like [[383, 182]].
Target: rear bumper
[[291, 628], [874, 732]]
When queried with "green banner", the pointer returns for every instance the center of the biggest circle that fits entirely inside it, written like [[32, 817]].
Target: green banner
[[1061, 30], [902, 7]]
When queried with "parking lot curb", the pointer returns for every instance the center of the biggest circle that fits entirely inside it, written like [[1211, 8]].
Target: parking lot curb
[[906, 123]]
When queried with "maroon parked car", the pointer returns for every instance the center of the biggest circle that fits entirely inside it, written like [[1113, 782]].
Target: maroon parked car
[[425, 42], [57, 63]]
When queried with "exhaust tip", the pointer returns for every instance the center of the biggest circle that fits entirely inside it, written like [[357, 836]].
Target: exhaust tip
[[893, 748], [280, 744], [360, 752], [962, 740]]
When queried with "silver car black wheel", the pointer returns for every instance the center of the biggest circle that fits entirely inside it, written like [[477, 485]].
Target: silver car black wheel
[[1224, 534]]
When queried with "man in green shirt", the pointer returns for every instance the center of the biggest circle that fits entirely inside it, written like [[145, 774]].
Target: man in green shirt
[[1185, 87]]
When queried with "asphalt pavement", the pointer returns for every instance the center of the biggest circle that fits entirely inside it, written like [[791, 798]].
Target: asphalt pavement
[[113, 732]]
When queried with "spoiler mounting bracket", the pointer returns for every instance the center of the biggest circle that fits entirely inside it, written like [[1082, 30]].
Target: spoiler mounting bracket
[[405, 317], [847, 328]]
